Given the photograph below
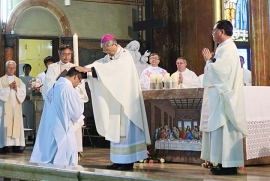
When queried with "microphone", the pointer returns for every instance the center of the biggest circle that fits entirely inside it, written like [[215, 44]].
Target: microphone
[[213, 60]]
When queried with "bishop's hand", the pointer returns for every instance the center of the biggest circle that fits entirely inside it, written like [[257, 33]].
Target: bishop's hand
[[83, 69]]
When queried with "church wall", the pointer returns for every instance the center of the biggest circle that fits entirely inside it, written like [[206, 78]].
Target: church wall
[[196, 31], [187, 32], [87, 19]]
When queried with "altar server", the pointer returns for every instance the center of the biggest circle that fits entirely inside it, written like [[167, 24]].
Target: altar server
[[56, 142], [118, 104], [223, 120]]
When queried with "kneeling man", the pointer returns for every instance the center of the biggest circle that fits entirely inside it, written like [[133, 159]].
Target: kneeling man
[[56, 141]]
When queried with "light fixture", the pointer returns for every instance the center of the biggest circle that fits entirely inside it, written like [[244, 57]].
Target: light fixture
[[67, 2]]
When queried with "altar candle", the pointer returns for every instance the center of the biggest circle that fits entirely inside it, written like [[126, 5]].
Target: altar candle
[[152, 78], [174, 78], [159, 78], [167, 77], [75, 49]]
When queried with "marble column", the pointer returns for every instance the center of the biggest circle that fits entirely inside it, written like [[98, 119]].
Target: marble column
[[259, 42]]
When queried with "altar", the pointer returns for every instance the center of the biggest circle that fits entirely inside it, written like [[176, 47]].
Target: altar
[[178, 109]]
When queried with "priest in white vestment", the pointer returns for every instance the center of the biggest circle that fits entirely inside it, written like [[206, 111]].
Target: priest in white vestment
[[54, 71], [12, 94], [246, 73], [154, 60], [118, 104], [223, 120], [28, 105], [47, 61], [186, 77], [56, 142]]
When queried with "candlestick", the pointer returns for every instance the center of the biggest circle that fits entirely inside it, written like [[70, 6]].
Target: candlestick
[[75, 50]]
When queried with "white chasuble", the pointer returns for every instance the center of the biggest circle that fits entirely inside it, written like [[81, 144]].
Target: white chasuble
[[117, 91], [223, 120]]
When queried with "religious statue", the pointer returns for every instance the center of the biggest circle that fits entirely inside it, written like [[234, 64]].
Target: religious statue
[[139, 60]]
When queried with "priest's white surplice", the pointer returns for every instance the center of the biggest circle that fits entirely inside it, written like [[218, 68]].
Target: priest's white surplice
[[118, 107], [190, 79], [145, 76], [19, 95], [223, 119], [56, 142], [54, 70]]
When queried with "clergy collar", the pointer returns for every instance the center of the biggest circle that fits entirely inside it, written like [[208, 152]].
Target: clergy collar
[[154, 67], [228, 40], [182, 71], [62, 63]]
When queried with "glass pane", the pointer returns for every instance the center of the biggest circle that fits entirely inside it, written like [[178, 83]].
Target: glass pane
[[236, 11]]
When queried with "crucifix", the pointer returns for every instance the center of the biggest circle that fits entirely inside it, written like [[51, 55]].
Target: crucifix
[[149, 24]]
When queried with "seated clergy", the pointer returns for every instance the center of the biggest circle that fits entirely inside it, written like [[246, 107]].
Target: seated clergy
[[154, 60], [186, 77]]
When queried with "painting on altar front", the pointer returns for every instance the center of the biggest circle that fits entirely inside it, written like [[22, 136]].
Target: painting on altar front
[[177, 145], [236, 11]]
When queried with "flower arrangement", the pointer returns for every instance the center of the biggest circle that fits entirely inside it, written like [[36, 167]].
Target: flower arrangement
[[35, 86], [152, 159]]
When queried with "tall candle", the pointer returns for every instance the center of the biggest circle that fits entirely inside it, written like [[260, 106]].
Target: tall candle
[[152, 78], [75, 49], [159, 78], [174, 78], [167, 77]]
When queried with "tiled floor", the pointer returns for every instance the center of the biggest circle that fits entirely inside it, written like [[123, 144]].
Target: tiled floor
[[96, 160]]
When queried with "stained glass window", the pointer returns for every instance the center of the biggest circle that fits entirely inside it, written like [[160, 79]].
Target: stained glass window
[[236, 11]]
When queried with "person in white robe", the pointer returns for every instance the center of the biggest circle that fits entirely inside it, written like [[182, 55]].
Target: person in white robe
[[154, 60], [28, 105], [118, 104], [139, 60], [56, 142], [53, 72], [246, 73], [223, 121], [186, 77], [47, 61], [12, 94]]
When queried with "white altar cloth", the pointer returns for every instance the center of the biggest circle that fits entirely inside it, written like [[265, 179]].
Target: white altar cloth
[[257, 104]]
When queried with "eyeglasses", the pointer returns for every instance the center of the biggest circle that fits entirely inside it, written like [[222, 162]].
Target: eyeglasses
[[214, 30], [154, 58], [65, 54], [180, 63], [107, 49]]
